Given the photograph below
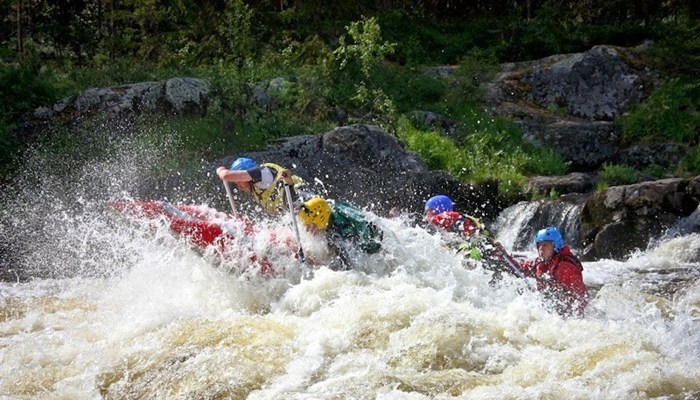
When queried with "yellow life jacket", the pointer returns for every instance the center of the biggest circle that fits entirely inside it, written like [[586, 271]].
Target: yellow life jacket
[[272, 198]]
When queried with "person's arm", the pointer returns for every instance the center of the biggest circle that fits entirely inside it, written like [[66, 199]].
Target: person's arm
[[286, 179], [528, 267], [341, 254], [228, 175], [286, 176]]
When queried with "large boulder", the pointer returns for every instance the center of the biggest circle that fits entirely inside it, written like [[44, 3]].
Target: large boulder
[[118, 105], [594, 85], [621, 219], [570, 102], [585, 145], [643, 155]]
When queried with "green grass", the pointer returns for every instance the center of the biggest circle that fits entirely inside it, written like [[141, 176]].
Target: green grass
[[689, 166], [614, 175], [437, 151], [670, 114], [495, 151]]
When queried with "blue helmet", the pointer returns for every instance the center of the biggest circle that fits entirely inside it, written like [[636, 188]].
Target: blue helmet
[[550, 234], [439, 204], [242, 164]]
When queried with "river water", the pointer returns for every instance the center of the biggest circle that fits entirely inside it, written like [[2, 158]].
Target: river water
[[122, 310]]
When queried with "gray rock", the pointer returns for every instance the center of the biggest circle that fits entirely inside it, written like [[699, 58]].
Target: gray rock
[[187, 95], [117, 104], [621, 219], [694, 188], [642, 155], [576, 182], [595, 85], [586, 145], [569, 102]]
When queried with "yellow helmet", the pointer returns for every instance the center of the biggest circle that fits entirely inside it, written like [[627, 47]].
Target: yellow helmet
[[316, 211]]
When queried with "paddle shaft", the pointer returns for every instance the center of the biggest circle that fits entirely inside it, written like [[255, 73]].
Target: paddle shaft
[[509, 261], [296, 229], [230, 199], [511, 264]]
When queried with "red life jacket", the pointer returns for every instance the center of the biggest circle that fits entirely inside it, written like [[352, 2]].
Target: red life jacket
[[453, 221], [560, 279]]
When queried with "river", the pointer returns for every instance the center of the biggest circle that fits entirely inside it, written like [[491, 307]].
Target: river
[[119, 310]]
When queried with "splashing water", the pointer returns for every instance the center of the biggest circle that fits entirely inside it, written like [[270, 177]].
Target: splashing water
[[127, 310]]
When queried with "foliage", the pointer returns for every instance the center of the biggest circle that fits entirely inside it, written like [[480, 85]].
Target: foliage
[[366, 47], [280, 68], [495, 151], [557, 28], [366, 51], [613, 174], [678, 51], [439, 152], [410, 89], [25, 88], [689, 166], [236, 31], [22, 89], [655, 171], [259, 100], [671, 113]]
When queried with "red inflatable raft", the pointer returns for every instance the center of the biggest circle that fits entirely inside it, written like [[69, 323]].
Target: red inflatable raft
[[201, 225]]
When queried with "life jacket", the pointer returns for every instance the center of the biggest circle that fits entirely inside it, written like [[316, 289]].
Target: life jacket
[[472, 233], [272, 198], [349, 222], [452, 221], [565, 286]]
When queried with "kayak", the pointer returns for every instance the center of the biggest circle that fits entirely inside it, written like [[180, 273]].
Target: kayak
[[202, 226]]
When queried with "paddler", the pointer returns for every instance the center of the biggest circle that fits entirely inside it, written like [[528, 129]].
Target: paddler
[[344, 226], [265, 182], [439, 213], [558, 272]]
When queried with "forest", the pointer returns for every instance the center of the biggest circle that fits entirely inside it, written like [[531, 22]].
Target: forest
[[364, 57]]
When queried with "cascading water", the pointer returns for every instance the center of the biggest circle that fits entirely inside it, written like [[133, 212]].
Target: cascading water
[[124, 310], [517, 225]]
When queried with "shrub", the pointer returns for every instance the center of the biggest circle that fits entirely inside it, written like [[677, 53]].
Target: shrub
[[22, 89], [410, 89], [493, 152], [689, 166], [614, 174], [671, 113], [235, 32], [544, 161], [437, 151]]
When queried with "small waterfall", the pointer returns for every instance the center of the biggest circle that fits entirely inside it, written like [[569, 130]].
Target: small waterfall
[[684, 226], [516, 225]]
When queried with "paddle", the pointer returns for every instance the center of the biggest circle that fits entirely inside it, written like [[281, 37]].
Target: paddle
[[230, 199], [508, 259], [304, 272]]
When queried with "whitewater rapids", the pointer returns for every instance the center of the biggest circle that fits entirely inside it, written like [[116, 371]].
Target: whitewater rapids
[[118, 310], [163, 321]]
